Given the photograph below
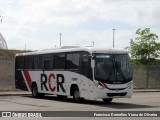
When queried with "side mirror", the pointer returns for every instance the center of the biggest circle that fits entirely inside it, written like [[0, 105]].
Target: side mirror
[[92, 63]]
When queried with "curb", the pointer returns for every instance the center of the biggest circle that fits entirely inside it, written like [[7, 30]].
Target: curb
[[145, 91]]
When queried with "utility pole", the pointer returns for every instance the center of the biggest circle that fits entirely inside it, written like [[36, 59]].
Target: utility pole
[[60, 39], [1, 19], [113, 36], [25, 47], [93, 43]]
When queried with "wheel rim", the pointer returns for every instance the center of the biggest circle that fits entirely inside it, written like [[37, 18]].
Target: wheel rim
[[76, 95], [34, 91]]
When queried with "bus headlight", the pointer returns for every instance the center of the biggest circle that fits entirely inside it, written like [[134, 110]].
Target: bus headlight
[[130, 86], [100, 87]]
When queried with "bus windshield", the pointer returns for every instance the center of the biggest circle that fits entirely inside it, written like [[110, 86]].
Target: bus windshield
[[113, 68]]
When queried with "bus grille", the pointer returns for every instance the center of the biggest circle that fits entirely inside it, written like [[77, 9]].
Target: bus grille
[[116, 94]]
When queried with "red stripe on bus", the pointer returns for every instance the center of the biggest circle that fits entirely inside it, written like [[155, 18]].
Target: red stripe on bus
[[104, 85], [28, 78]]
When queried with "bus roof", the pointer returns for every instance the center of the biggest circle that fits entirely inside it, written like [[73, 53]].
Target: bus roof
[[75, 49]]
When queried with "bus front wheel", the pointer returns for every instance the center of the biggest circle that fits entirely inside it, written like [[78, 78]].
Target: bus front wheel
[[76, 96], [107, 100]]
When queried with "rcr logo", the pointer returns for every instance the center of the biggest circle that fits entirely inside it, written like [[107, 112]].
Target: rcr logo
[[47, 80]]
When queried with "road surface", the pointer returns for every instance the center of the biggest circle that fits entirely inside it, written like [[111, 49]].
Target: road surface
[[145, 101]]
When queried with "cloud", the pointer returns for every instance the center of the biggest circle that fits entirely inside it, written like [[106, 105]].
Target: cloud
[[74, 12], [79, 21]]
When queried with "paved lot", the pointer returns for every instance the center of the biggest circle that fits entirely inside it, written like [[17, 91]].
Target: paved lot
[[148, 101], [145, 101]]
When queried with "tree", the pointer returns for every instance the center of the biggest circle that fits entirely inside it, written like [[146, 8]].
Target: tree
[[144, 49]]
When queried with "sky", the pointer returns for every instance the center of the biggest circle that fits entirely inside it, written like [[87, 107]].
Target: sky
[[37, 24]]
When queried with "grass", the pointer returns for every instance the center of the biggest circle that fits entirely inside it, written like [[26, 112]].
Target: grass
[[8, 54]]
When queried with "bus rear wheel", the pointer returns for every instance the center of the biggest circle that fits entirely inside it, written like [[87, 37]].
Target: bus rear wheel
[[107, 100], [35, 93]]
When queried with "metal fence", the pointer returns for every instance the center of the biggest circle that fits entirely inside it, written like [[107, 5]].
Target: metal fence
[[146, 76], [141, 77]]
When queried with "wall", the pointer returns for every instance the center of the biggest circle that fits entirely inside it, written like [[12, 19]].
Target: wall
[[140, 77]]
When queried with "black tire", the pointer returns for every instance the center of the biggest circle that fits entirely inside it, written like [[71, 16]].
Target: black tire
[[35, 93], [107, 100], [76, 96]]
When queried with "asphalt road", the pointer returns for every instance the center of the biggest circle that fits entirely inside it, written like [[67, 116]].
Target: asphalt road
[[147, 101]]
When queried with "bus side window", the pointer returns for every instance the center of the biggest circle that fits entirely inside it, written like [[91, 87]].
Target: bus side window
[[37, 62], [72, 61], [86, 65], [59, 61], [28, 62], [19, 62], [47, 62]]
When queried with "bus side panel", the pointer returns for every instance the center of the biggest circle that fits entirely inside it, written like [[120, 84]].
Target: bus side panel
[[56, 82], [19, 81]]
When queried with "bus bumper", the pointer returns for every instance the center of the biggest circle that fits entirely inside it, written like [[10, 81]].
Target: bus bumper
[[101, 93]]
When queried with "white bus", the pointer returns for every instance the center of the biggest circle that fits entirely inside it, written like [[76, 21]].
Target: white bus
[[81, 72]]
